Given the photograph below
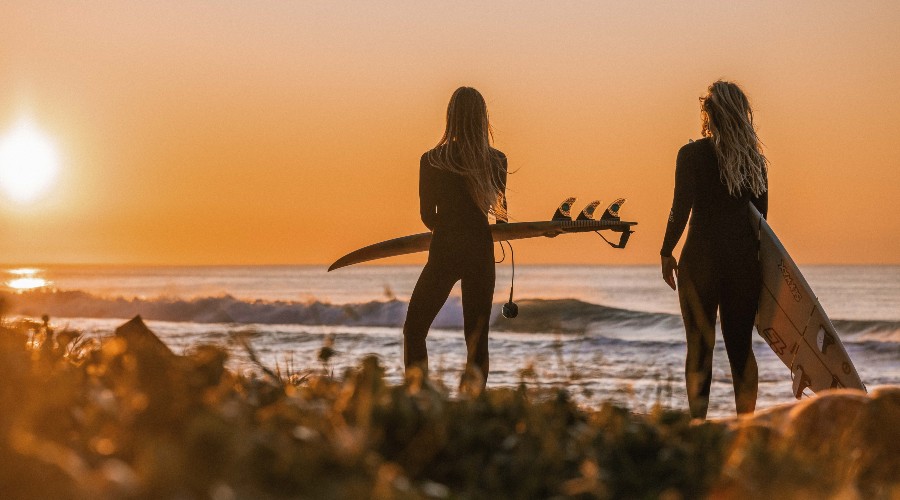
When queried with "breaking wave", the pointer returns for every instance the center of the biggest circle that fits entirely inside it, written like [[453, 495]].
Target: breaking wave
[[536, 315]]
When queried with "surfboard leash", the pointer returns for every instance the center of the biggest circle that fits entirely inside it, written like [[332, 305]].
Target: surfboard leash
[[622, 241], [510, 309], [503, 258]]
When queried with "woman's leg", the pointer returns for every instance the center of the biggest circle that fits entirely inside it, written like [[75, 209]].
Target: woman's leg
[[429, 295], [698, 296], [740, 300], [477, 298]]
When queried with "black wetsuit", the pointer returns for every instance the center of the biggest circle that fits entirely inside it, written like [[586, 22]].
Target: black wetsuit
[[461, 249], [719, 269]]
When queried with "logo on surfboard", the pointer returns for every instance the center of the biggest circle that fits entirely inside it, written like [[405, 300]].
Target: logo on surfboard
[[774, 340], [789, 281]]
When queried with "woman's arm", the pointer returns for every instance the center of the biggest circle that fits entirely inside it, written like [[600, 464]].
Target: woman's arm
[[427, 193], [681, 203]]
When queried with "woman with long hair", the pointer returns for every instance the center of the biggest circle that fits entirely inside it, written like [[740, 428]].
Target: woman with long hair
[[715, 180], [461, 181]]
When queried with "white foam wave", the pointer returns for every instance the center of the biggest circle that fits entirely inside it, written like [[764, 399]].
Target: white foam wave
[[536, 315]]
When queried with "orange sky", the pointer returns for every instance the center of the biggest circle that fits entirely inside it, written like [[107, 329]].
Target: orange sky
[[290, 132]]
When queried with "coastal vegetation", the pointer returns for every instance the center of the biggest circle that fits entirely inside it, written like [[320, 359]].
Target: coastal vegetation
[[125, 417]]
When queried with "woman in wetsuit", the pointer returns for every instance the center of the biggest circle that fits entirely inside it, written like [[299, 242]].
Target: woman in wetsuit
[[715, 179], [461, 181]]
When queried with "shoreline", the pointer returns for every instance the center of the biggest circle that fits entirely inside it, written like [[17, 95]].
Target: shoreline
[[632, 360]]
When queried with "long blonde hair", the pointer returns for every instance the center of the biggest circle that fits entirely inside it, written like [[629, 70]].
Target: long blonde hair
[[465, 149], [728, 120]]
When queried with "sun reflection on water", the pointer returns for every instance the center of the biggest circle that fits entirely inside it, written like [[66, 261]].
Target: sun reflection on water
[[24, 271], [26, 278]]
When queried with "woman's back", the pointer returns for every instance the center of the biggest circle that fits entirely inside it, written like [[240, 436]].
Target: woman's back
[[445, 199], [714, 210], [701, 195]]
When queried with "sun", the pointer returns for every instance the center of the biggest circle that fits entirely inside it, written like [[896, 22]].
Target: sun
[[28, 163]]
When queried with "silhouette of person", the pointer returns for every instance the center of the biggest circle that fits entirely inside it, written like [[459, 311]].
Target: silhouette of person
[[461, 181], [715, 178]]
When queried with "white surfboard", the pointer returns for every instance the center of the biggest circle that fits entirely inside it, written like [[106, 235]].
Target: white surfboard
[[793, 323]]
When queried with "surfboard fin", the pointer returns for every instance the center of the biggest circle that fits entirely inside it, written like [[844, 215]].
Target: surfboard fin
[[564, 212], [801, 381], [588, 212], [823, 340], [612, 211]]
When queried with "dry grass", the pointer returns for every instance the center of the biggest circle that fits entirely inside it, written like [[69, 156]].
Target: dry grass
[[129, 419]]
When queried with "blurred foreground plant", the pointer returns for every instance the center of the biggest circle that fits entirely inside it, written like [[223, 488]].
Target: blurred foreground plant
[[130, 419]]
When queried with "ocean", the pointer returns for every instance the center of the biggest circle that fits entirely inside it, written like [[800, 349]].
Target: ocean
[[606, 333]]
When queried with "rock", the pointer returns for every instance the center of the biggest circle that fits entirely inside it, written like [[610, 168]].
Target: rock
[[141, 341], [828, 423]]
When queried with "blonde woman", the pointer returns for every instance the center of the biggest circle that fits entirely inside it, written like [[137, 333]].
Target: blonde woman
[[461, 181], [715, 178]]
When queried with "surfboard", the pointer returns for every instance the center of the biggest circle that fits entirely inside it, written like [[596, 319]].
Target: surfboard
[[561, 224], [793, 323]]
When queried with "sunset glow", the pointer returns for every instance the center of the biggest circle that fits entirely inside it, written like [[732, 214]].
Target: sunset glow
[[28, 162], [291, 132], [415, 249]]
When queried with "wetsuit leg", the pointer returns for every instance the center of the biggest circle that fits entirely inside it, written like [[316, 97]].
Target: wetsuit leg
[[477, 297], [739, 301], [698, 295], [429, 295]]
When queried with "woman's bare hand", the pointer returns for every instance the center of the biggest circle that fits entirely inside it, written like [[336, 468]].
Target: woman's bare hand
[[670, 271]]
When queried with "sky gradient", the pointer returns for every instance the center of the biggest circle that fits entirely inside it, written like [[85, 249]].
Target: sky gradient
[[290, 132]]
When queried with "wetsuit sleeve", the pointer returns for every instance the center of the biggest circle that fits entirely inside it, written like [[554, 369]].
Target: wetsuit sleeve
[[762, 201], [427, 193], [681, 203], [504, 172]]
